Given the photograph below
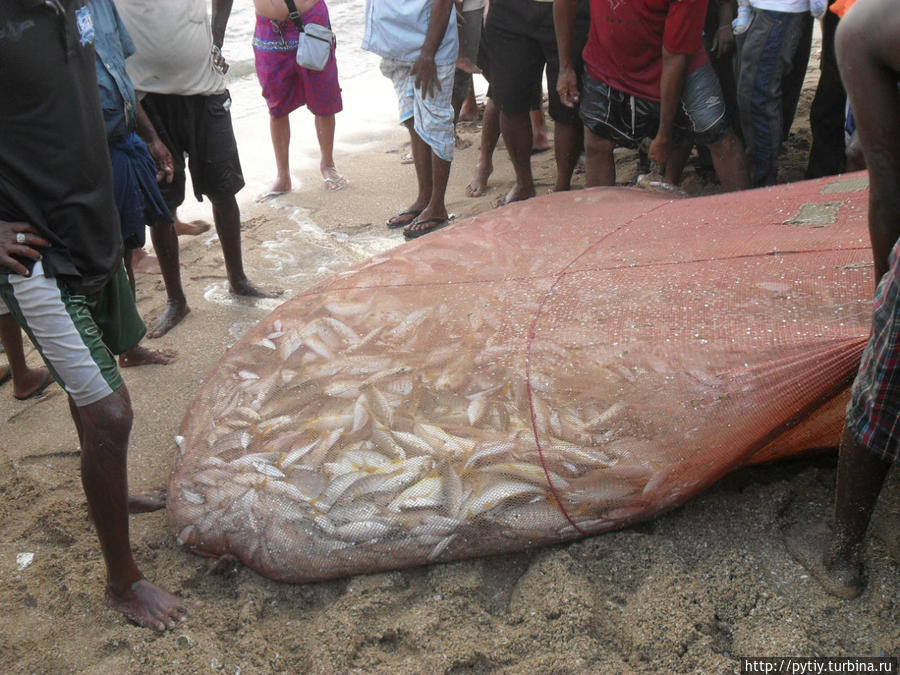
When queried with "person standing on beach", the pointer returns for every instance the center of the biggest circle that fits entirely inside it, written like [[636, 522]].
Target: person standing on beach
[[180, 72], [418, 43], [521, 40], [61, 272], [136, 166], [286, 86], [869, 62], [652, 81]]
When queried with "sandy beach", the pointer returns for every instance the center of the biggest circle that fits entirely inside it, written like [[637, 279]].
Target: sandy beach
[[690, 592]]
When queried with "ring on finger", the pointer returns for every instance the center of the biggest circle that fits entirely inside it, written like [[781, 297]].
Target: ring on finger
[[20, 237]]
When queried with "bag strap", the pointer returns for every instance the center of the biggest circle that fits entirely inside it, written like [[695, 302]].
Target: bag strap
[[293, 14]]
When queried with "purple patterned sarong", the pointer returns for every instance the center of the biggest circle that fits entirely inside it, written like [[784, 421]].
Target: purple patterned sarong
[[285, 85]]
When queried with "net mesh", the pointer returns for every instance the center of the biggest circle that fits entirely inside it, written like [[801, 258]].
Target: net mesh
[[556, 368]]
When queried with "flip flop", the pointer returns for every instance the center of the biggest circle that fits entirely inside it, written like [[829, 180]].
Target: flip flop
[[5, 374], [271, 194], [48, 380], [335, 184], [438, 223], [403, 221]]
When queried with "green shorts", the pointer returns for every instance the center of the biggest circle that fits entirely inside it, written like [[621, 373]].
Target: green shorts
[[77, 335]]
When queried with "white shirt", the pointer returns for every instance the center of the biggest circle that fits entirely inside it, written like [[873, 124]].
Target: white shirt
[[173, 40], [787, 6], [396, 29]]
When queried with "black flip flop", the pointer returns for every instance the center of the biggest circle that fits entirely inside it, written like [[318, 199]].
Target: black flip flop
[[418, 232], [395, 224]]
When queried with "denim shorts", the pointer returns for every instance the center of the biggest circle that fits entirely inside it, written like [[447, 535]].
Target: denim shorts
[[627, 120], [704, 106]]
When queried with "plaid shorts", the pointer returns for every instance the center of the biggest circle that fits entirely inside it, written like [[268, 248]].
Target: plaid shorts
[[873, 414]]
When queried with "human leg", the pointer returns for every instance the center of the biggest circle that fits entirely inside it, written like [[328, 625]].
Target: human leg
[[768, 47], [104, 428], [599, 162], [517, 136], [280, 132], [517, 64], [568, 143], [138, 355], [490, 134], [227, 220], [65, 332], [274, 46], [826, 114], [611, 118], [325, 125], [27, 381], [165, 244], [702, 118]]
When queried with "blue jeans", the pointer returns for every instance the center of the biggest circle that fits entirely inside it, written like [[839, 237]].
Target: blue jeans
[[767, 57]]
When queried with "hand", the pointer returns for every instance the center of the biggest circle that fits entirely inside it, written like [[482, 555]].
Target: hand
[[219, 60], [164, 163], [567, 86], [10, 247], [426, 76], [660, 147], [723, 41]]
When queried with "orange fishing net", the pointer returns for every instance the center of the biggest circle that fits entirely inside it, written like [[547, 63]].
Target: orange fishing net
[[555, 368]]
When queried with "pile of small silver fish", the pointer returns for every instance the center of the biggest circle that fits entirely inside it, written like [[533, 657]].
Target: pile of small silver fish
[[347, 451], [460, 397]]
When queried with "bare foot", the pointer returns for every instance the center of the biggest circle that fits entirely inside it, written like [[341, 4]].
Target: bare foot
[[470, 111], [478, 184], [144, 263], [461, 143], [149, 605], [539, 142], [247, 289], [147, 502], [141, 356], [810, 546], [32, 384], [170, 317], [516, 194], [192, 228]]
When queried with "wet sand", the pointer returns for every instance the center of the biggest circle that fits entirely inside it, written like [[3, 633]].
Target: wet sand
[[692, 591]]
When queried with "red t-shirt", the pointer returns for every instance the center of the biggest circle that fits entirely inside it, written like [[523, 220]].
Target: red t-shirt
[[624, 48]]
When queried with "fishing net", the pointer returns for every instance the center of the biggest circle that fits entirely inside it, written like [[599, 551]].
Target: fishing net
[[552, 369]]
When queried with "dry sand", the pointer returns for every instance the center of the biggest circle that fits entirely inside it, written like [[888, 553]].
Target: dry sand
[[691, 591]]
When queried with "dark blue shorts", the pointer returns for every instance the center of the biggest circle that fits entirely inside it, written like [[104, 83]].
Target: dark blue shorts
[[138, 198]]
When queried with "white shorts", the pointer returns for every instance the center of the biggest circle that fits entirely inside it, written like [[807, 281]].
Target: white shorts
[[432, 117]]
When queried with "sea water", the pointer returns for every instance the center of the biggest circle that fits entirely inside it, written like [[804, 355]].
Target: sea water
[[370, 107]]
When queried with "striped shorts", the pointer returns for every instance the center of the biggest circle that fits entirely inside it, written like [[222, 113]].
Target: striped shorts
[[76, 335], [873, 414]]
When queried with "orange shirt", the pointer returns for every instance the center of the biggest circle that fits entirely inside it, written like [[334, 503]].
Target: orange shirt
[[840, 7]]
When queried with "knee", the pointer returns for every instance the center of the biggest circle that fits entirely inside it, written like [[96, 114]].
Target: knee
[[597, 147], [109, 418]]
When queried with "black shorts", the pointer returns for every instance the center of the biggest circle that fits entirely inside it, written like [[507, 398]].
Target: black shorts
[[627, 120], [199, 127], [520, 40]]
